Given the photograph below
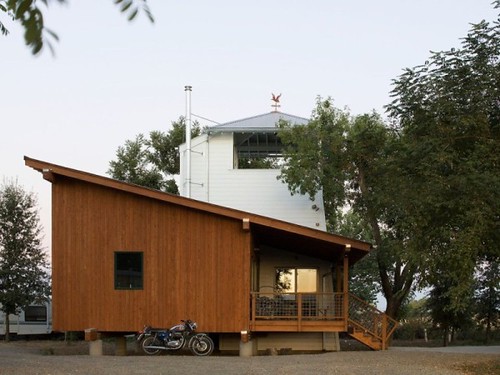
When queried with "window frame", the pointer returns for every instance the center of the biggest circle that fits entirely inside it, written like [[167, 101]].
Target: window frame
[[295, 282], [35, 316], [135, 282]]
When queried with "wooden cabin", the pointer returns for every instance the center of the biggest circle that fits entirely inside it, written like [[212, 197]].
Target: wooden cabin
[[124, 256]]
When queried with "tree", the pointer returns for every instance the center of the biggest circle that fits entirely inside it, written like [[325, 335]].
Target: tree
[[363, 276], [375, 192], [30, 17], [315, 157], [444, 313], [152, 162], [487, 296], [446, 113], [24, 277], [350, 160], [133, 165], [415, 320]]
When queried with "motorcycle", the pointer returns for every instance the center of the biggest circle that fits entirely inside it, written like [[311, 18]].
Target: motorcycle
[[153, 340]]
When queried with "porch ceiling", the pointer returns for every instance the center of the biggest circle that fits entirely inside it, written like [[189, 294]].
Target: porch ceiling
[[324, 246]]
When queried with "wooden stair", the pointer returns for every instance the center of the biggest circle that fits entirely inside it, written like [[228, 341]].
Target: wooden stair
[[369, 325], [365, 338]]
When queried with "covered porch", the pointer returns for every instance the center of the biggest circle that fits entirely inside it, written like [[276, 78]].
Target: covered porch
[[300, 283]]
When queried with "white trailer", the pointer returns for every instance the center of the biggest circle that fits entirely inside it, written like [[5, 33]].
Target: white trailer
[[33, 320]]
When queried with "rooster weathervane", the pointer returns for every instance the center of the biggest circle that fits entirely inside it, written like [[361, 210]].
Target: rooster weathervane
[[276, 100]]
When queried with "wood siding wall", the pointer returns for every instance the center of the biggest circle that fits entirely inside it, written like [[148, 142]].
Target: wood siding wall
[[196, 264]]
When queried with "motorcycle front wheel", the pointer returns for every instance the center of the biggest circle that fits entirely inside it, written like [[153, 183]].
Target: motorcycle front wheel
[[151, 341], [201, 345]]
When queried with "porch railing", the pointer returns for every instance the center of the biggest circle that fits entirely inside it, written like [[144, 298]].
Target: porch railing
[[304, 306]]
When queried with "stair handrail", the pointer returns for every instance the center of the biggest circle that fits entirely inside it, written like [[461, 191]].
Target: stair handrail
[[381, 326]]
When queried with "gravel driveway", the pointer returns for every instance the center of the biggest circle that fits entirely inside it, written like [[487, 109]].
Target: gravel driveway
[[58, 358]]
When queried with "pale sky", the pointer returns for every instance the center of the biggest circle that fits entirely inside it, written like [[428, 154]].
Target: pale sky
[[111, 80]]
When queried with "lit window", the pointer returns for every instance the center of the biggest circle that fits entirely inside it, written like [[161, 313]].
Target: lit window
[[128, 270], [296, 280]]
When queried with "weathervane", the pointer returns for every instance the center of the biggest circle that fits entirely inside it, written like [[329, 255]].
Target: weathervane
[[276, 100]]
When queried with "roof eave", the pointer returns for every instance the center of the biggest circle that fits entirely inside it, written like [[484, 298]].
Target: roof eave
[[50, 172], [243, 130]]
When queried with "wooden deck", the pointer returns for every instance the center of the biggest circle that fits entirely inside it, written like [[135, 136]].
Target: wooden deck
[[321, 312], [297, 325]]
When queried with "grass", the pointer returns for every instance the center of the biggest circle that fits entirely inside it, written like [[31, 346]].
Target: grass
[[484, 368]]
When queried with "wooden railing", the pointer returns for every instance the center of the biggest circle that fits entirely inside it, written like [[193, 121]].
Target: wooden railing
[[367, 319]]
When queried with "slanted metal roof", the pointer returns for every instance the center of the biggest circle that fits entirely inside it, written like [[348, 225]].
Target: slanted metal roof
[[260, 123], [282, 234]]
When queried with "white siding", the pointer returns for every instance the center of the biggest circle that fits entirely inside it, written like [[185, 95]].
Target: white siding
[[199, 168], [254, 190]]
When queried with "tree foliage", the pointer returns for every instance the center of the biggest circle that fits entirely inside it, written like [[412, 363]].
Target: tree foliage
[[315, 157], [429, 186], [30, 16], [415, 320], [152, 162], [133, 165], [447, 115], [363, 276], [349, 158], [442, 307], [24, 277], [487, 296]]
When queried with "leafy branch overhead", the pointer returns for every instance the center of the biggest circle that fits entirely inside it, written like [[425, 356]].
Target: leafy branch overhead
[[30, 16], [130, 7]]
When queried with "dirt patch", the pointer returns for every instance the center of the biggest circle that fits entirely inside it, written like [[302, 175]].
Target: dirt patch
[[61, 347], [59, 357]]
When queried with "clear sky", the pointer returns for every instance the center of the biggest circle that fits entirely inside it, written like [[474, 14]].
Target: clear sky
[[111, 80]]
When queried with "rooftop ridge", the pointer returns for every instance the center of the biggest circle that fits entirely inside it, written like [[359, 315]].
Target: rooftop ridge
[[268, 114]]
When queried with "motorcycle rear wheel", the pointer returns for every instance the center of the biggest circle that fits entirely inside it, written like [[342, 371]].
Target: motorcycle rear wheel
[[201, 345], [151, 341]]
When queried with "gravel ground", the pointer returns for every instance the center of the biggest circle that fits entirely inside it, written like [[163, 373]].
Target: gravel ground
[[54, 358]]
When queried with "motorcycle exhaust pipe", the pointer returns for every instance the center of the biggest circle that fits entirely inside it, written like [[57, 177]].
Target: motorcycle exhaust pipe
[[156, 347]]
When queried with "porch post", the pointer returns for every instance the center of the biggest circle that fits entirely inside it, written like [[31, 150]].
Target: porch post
[[346, 284], [384, 332], [338, 279], [299, 311], [248, 346], [120, 345], [95, 342], [254, 301]]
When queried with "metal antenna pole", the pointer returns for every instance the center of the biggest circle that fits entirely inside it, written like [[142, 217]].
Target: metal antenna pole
[[188, 89]]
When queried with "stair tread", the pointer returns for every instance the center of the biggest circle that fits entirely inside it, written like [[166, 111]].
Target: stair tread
[[367, 339]]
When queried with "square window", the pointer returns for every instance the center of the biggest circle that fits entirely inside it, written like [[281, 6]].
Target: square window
[[128, 270]]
